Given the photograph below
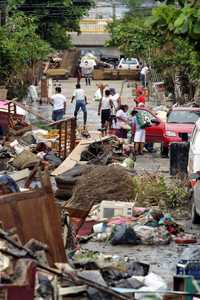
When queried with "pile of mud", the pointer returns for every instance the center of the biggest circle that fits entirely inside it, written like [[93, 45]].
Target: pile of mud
[[98, 183]]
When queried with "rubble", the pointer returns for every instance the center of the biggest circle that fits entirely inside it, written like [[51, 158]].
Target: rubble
[[103, 200]]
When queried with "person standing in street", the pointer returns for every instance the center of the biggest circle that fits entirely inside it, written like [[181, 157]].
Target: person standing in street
[[59, 105], [143, 76], [105, 107], [122, 124], [87, 72], [138, 132], [140, 98], [81, 102], [78, 73]]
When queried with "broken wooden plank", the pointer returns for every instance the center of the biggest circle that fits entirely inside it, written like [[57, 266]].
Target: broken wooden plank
[[35, 215], [71, 160]]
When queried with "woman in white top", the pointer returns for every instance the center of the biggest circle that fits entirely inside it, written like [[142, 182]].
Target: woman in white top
[[122, 121], [105, 106]]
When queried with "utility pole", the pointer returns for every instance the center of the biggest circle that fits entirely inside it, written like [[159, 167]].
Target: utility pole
[[113, 10]]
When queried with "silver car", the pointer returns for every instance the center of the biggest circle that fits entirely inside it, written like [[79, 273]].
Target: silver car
[[129, 64]]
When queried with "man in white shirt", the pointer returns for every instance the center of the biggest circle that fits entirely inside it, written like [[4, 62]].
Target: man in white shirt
[[143, 76], [81, 101], [59, 105]]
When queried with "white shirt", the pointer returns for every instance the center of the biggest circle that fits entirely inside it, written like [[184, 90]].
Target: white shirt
[[105, 103], [58, 101], [144, 70], [115, 100], [79, 94], [123, 115]]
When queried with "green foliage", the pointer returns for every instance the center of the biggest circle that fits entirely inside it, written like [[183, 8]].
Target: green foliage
[[169, 39], [55, 18], [134, 37], [20, 46], [154, 190]]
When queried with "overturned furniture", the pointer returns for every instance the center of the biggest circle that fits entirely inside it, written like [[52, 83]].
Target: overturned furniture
[[34, 215], [66, 131]]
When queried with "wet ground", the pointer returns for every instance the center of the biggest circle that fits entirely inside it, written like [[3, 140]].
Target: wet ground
[[68, 87], [162, 259]]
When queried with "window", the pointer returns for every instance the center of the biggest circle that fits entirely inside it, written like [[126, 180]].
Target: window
[[183, 116], [147, 115]]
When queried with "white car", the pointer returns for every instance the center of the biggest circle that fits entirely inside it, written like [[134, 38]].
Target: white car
[[194, 172], [129, 64]]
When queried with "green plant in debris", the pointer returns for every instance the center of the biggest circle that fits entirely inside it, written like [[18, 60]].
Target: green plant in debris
[[154, 190]]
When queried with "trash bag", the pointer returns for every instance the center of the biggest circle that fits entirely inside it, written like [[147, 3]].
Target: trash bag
[[124, 235], [52, 159], [63, 194], [92, 152], [179, 158], [152, 235]]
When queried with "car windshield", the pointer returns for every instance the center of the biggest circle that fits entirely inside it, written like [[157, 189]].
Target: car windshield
[[130, 61], [183, 116]]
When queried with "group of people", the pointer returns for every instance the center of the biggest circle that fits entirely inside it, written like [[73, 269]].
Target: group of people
[[59, 102], [113, 114]]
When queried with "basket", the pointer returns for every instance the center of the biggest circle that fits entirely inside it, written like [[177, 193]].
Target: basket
[[189, 267]]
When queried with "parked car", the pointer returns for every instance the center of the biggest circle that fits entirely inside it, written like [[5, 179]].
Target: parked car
[[179, 125], [129, 64]]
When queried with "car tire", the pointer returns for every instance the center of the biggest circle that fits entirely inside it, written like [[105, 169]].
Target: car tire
[[195, 215], [164, 151]]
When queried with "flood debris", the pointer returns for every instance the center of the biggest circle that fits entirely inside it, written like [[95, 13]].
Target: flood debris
[[103, 200]]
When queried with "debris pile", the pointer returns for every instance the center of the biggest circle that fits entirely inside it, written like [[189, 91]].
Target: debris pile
[[100, 183]]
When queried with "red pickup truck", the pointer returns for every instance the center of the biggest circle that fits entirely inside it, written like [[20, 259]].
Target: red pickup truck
[[180, 122]]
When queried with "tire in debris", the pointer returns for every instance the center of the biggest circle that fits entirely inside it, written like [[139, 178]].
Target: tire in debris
[[62, 181], [179, 158], [63, 194]]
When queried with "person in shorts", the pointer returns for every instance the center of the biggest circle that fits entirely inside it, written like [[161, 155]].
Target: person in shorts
[[105, 107]]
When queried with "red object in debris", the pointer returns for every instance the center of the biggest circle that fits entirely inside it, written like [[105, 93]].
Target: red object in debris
[[185, 240], [86, 228]]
